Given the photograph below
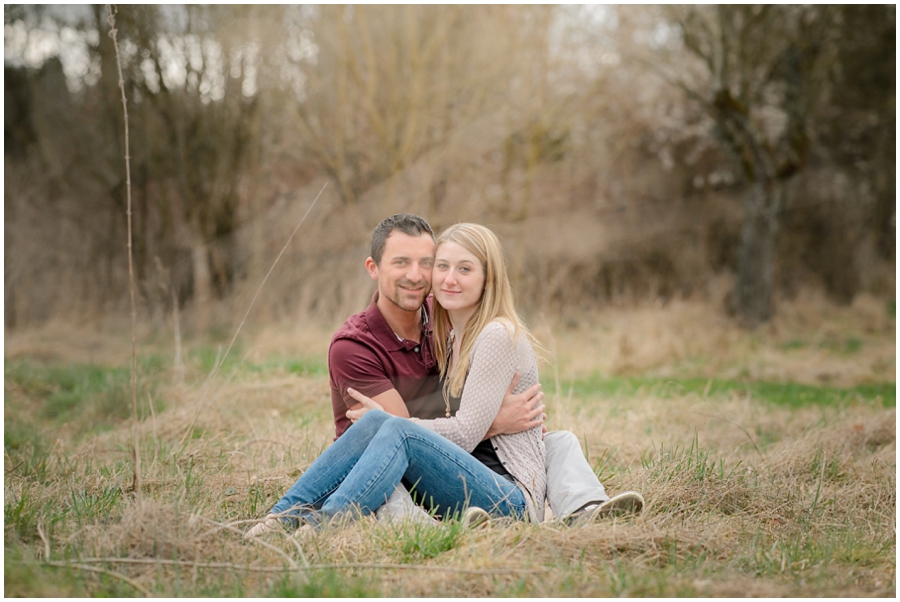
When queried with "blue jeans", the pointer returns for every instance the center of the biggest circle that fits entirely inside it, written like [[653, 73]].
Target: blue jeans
[[361, 469]]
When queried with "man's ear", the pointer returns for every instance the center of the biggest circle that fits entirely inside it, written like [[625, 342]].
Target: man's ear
[[372, 268]]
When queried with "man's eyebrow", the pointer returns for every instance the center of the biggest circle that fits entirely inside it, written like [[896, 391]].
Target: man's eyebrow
[[406, 257]]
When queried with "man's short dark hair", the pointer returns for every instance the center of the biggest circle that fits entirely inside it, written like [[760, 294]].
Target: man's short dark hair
[[409, 224]]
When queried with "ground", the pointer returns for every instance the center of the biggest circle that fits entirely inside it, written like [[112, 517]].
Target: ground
[[768, 461]]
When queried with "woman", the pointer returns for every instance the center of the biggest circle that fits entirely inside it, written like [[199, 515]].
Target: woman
[[480, 343]]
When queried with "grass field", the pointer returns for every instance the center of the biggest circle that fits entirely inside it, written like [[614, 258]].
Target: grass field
[[768, 461]]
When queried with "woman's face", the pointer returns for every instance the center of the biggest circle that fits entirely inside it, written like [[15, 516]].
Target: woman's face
[[457, 280]]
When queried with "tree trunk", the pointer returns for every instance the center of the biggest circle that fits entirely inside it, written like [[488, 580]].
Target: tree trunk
[[757, 253], [202, 286]]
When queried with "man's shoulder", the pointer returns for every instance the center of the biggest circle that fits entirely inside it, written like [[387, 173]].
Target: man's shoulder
[[353, 328], [357, 337]]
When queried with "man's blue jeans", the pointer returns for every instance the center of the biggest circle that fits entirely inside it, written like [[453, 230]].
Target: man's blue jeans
[[362, 468]]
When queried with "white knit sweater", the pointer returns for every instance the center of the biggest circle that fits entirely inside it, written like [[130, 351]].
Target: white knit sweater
[[496, 357]]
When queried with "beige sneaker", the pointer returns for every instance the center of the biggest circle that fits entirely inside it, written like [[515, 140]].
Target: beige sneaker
[[305, 532], [475, 517], [270, 523], [630, 502]]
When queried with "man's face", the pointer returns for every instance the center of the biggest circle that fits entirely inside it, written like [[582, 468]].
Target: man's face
[[404, 274]]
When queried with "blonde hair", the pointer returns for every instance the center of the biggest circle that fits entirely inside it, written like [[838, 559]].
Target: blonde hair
[[496, 303]]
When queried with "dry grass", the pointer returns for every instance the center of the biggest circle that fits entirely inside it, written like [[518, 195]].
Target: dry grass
[[689, 339], [745, 497]]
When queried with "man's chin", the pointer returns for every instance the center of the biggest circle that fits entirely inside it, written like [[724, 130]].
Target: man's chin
[[409, 301]]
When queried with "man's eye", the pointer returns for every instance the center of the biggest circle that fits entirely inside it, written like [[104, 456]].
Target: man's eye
[[427, 263]]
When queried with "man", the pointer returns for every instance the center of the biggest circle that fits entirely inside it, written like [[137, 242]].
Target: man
[[386, 353]]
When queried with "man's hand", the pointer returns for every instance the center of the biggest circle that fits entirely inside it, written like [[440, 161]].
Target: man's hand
[[367, 404], [519, 412]]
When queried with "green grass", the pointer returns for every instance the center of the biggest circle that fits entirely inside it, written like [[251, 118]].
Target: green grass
[[415, 542], [301, 366], [92, 398], [27, 448], [28, 578], [850, 346], [322, 584], [793, 395], [794, 553], [68, 392], [793, 344], [203, 359], [694, 463]]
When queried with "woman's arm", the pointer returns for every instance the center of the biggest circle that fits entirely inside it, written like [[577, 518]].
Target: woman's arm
[[494, 362]]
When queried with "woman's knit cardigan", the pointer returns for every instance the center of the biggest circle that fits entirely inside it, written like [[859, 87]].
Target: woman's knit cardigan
[[496, 356]]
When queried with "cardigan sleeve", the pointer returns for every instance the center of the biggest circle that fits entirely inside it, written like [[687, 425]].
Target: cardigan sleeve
[[494, 362]]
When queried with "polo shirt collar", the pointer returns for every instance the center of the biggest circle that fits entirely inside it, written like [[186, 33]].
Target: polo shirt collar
[[379, 326]]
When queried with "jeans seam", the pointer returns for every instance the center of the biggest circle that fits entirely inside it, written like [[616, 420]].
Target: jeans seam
[[371, 482]]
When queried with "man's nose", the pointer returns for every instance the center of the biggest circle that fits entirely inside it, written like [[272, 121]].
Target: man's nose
[[414, 273]]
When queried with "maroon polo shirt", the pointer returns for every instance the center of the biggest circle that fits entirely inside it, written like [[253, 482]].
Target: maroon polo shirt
[[366, 355]]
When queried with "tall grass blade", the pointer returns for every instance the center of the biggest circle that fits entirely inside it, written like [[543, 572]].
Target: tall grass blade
[[136, 452]]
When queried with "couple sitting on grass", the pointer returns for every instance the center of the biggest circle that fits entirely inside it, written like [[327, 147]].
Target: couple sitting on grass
[[443, 397]]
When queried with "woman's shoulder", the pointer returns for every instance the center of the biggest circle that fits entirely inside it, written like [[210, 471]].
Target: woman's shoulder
[[498, 329], [499, 324]]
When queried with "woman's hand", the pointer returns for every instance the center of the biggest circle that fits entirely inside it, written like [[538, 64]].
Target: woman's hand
[[367, 404]]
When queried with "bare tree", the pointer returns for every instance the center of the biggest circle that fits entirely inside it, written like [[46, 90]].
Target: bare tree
[[759, 72], [379, 88]]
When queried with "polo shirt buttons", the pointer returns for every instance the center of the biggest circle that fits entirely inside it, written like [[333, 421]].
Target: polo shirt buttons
[[416, 349]]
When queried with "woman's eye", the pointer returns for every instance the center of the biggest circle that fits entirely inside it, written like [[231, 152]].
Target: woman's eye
[[464, 270], [441, 266]]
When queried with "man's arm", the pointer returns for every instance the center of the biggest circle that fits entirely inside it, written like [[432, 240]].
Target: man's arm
[[390, 401], [352, 363]]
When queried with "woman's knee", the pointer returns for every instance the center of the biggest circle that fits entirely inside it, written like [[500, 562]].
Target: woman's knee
[[397, 424], [395, 428]]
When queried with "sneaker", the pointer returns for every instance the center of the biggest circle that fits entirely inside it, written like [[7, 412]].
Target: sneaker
[[630, 502], [304, 533], [475, 517], [270, 523]]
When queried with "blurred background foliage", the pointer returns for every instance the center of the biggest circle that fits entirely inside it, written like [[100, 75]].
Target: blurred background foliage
[[730, 154]]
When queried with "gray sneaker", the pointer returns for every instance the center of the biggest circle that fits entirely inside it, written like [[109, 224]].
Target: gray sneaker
[[475, 517], [630, 502]]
